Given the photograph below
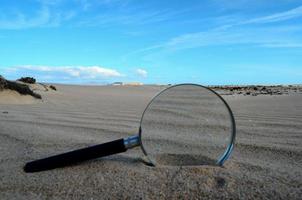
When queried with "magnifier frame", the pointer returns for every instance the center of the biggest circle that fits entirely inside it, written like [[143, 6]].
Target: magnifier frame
[[230, 147]]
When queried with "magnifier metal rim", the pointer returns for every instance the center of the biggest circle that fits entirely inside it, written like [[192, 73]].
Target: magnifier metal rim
[[229, 148]]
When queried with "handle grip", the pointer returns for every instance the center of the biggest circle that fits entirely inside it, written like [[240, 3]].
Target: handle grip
[[76, 156]]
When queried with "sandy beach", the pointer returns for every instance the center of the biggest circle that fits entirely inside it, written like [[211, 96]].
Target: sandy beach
[[266, 162]]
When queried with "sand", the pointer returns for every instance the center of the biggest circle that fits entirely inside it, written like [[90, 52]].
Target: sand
[[13, 97], [266, 162]]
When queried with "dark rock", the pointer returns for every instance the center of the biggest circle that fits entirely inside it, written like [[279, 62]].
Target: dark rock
[[53, 87], [220, 182], [29, 80]]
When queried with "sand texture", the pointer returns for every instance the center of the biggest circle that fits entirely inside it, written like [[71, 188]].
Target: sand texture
[[266, 162], [13, 97]]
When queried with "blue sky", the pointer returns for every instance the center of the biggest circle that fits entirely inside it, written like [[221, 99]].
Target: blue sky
[[101, 41]]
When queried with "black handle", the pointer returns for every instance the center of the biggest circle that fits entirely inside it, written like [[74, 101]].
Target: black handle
[[76, 156]]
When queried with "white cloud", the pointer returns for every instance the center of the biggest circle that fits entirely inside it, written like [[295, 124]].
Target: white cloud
[[280, 36], [131, 17], [76, 71], [99, 71], [47, 15], [290, 14], [141, 72], [58, 74], [238, 33], [22, 21]]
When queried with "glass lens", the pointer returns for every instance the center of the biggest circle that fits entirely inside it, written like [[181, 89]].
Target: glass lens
[[186, 125]]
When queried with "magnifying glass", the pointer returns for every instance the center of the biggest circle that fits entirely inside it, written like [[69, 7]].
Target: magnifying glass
[[185, 124]]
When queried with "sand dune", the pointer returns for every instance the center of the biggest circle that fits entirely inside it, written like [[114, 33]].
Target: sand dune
[[18, 92], [266, 162], [13, 97]]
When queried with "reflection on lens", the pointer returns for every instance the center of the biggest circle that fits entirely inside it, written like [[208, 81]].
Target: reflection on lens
[[186, 125]]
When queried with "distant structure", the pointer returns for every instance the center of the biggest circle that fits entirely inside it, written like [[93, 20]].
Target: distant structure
[[117, 83], [133, 83], [129, 83]]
